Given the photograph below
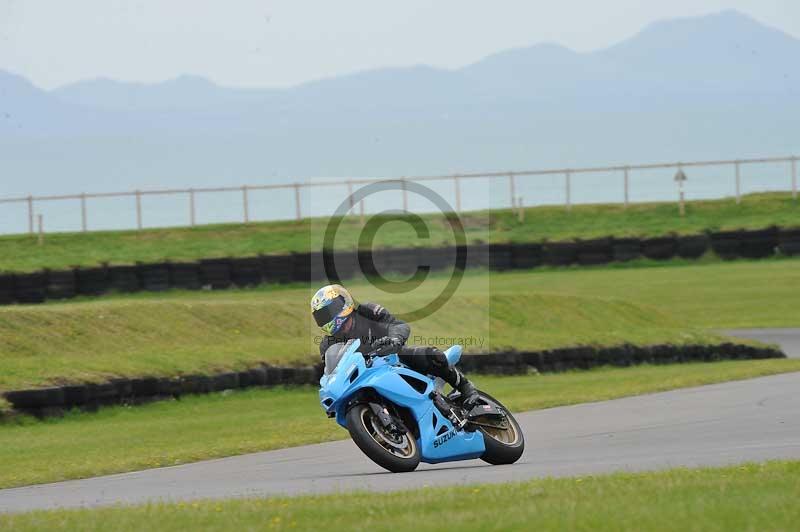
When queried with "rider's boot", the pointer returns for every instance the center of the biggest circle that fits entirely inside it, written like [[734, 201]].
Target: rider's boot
[[469, 394], [440, 367]]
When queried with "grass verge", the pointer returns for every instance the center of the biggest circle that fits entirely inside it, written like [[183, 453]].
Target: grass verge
[[184, 332], [744, 497], [104, 339], [118, 439], [62, 250]]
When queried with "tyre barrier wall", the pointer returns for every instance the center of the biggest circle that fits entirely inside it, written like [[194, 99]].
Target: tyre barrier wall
[[306, 267], [44, 402]]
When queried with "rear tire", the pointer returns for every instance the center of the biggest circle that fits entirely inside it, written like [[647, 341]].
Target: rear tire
[[398, 455], [502, 446]]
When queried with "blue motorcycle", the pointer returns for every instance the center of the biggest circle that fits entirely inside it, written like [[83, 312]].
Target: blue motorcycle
[[399, 417]]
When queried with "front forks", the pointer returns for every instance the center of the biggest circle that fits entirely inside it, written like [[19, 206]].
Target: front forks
[[390, 422]]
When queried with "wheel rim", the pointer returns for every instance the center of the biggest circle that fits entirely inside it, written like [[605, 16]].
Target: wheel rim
[[401, 447], [508, 436]]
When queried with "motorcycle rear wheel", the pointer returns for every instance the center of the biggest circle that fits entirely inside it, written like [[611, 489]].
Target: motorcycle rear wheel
[[502, 446], [398, 454]]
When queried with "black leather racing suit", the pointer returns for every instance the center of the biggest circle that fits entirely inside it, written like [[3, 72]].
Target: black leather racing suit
[[372, 322]]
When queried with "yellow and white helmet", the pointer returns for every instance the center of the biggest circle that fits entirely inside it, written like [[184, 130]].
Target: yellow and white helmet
[[331, 306]]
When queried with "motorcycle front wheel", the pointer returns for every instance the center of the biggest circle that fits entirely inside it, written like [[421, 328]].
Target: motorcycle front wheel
[[396, 452], [503, 445]]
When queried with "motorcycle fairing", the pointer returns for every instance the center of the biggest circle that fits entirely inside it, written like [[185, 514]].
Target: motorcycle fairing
[[438, 440]]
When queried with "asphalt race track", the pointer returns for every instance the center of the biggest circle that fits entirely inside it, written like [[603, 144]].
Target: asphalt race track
[[720, 424]]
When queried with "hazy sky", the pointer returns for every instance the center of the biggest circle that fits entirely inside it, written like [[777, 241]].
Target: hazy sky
[[278, 43]]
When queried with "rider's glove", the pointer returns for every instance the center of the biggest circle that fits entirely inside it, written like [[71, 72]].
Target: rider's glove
[[388, 341]]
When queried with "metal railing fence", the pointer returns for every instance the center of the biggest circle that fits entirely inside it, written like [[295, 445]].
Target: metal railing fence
[[456, 178]]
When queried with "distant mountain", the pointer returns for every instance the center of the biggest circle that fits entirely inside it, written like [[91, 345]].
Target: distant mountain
[[721, 85], [184, 92], [726, 52], [24, 108]]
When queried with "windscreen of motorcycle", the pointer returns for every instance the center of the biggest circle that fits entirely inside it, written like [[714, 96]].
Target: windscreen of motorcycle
[[334, 354]]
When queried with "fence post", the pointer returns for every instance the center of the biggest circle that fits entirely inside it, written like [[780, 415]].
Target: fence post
[[457, 184], [405, 194], [627, 188], [738, 183], [297, 200], [511, 192], [568, 189], [30, 214], [139, 210], [83, 212], [41, 229], [191, 208], [794, 177], [680, 177], [361, 208], [245, 205], [520, 210], [350, 193]]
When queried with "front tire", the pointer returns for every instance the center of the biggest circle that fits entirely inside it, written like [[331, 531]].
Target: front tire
[[502, 446], [395, 453]]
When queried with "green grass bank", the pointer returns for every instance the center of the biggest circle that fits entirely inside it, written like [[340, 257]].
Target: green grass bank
[[187, 332]]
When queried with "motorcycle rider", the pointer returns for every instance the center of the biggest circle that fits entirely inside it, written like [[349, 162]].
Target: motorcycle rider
[[342, 318]]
